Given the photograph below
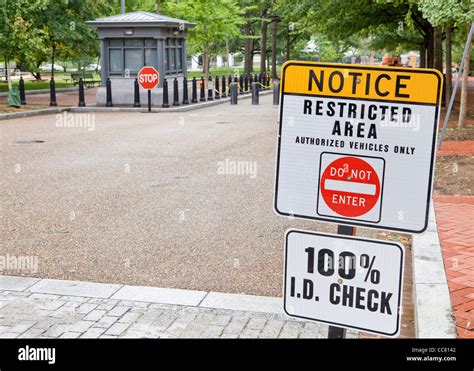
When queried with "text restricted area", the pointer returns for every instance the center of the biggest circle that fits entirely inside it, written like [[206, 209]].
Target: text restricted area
[[357, 144], [344, 281]]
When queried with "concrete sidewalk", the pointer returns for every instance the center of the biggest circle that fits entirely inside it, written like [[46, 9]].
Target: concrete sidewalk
[[44, 308]]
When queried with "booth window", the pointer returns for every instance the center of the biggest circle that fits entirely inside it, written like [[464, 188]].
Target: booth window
[[131, 55], [173, 56]]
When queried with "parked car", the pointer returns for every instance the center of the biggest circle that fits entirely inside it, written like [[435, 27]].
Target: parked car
[[92, 67], [49, 67]]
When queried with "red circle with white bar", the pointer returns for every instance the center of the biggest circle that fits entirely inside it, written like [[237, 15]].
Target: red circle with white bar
[[350, 186], [148, 77]]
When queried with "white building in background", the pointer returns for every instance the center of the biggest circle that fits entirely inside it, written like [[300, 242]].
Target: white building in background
[[195, 62]]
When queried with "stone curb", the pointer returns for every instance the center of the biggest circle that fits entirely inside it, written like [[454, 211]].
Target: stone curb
[[433, 311], [40, 112], [194, 298]]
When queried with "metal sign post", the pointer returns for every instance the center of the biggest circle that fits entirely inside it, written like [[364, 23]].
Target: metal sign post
[[149, 100], [335, 332]]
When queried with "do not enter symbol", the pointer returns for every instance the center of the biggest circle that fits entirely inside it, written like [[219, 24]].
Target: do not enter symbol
[[350, 186]]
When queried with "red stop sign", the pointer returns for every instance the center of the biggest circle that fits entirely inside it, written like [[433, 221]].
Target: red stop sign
[[148, 77], [350, 186]]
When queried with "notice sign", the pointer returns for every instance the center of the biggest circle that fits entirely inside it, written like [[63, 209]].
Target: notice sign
[[344, 281], [357, 144]]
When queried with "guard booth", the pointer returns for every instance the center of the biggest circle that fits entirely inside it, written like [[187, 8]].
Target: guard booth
[[130, 41]]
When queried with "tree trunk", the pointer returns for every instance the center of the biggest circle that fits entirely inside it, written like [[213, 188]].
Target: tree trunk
[[263, 45], [422, 56], [53, 54], [465, 76], [429, 49], [205, 62], [449, 72], [288, 46], [7, 72], [438, 49], [274, 47], [248, 49]]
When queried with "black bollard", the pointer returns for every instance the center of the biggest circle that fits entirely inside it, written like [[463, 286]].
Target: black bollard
[[224, 92], [260, 80], [82, 102], [241, 84], [246, 82], [185, 91], [52, 93], [175, 92], [255, 90], [165, 94], [210, 89], [234, 92], [202, 91], [229, 81], [22, 91], [276, 93], [136, 94], [216, 90], [108, 93], [194, 98]]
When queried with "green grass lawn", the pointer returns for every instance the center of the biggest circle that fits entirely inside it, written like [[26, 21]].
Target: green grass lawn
[[59, 78], [225, 71]]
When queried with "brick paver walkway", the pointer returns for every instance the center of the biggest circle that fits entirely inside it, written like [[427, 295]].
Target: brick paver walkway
[[463, 148], [27, 313], [43, 315], [35, 308], [454, 216]]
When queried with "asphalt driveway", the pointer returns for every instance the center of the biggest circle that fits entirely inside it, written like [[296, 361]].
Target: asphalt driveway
[[168, 199]]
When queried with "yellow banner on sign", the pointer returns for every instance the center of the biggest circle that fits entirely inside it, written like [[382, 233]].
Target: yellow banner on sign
[[362, 82]]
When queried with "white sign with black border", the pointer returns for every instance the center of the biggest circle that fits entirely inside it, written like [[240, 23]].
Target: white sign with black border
[[344, 281], [357, 144]]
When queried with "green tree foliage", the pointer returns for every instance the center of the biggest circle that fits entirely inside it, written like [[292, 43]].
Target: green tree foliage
[[19, 37], [38, 31], [447, 12], [216, 21]]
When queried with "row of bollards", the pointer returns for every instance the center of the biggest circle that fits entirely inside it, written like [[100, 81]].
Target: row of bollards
[[216, 89], [52, 93]]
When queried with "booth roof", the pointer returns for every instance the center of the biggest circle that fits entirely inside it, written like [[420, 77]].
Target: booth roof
[[139, 18]]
